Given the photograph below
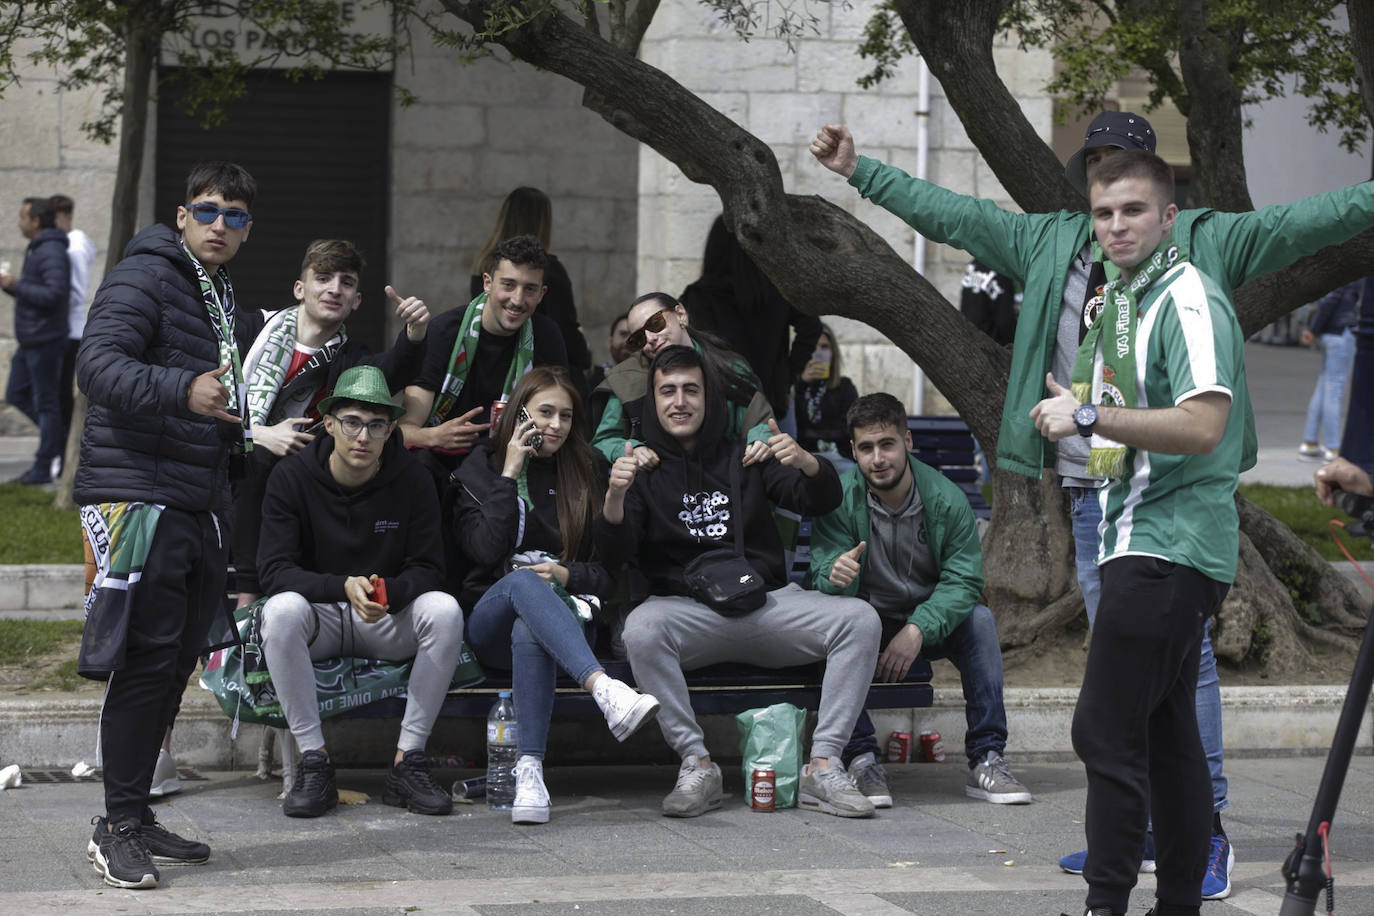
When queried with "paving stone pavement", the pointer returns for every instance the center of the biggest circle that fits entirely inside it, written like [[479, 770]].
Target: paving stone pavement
[[608, 851]]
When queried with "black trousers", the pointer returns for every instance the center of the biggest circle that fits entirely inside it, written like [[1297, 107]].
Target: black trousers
[[1135, 729], [175, 601]]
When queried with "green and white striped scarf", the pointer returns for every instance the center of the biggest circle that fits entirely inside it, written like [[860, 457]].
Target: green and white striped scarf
[[221, 312], [1104, 370], [460, 361], [270, 357]]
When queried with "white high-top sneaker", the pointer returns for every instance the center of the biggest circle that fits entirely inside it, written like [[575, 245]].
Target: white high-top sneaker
[[625, 708], [531, 804]]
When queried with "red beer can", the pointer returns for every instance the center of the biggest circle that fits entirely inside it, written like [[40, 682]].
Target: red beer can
[[899, 747], [496, 408], [932, 748], [762, 790]]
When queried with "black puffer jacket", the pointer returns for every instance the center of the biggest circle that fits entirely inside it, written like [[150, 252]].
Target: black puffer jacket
[[147, 336], [40, 293]]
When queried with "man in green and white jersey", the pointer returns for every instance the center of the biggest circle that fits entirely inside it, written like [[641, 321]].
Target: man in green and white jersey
[[1159, 388]]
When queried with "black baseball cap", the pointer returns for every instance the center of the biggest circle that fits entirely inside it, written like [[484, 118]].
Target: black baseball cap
[[1122, 129]]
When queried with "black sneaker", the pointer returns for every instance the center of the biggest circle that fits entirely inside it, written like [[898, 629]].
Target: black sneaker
[[120, 855], [410, 786], [166, 848], [314, 792]]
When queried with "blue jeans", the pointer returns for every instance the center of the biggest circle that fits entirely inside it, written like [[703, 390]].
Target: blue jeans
[[35, 379], [1324, 409], [973, 647], [1086, 513], [521, 626]]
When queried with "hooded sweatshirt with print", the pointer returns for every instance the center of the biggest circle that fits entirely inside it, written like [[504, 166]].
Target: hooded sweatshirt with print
[[683, 508]]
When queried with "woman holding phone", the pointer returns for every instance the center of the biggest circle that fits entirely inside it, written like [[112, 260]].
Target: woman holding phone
[[523, 524], [823, 396]]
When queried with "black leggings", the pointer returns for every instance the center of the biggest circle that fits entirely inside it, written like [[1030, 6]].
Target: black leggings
[[1135, 729]]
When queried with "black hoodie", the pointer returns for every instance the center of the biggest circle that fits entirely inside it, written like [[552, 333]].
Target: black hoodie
[[316, 533], [491, 522], [682, 508]]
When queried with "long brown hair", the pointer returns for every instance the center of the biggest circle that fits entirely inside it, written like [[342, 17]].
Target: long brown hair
[[579, 485], [525, 211]]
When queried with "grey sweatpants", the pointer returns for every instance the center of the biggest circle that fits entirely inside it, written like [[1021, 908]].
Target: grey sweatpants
[[296, 633], [666, 636]]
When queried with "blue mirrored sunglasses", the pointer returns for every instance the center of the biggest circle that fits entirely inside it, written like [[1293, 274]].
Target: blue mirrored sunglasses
[[207, 213]]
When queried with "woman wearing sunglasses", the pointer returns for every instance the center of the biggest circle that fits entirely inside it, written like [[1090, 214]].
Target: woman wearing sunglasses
[[657, 320], [523, 524]]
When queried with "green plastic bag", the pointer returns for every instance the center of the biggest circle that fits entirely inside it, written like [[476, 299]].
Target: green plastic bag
[[771, 739]]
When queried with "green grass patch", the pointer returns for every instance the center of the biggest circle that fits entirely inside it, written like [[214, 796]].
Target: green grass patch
[[1298, 508], [35, 532], [23, 641], [63, 677]]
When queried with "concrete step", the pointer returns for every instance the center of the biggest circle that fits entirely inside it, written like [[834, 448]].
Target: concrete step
[[56, 732], [56, 588]]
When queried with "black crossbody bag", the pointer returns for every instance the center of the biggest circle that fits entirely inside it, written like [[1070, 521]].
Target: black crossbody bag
[[722, 579]]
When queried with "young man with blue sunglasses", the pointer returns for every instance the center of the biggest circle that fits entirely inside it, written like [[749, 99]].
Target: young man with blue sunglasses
[[160, 363]]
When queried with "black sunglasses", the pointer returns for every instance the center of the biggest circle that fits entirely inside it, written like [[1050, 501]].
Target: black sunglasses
[[657, 322], [207, 213]]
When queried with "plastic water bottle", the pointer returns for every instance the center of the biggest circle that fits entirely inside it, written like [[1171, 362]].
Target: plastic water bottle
[[501, 731]]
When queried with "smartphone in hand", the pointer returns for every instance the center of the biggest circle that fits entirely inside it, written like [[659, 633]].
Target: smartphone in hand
[[535, 439], [379, 591]]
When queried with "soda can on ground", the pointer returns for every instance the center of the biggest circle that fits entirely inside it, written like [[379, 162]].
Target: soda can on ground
[[763, 786], [899, 747], [932, 747]]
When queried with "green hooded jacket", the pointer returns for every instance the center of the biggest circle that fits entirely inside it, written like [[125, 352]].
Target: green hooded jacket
[[1036, 250], [951, 533]]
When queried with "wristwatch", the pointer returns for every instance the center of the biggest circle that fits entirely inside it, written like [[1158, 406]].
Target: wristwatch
[[1085, 417]]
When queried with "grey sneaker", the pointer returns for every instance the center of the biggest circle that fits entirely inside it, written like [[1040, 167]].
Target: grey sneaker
[[697, 790], [991, 780], [832, 791], [871, 779]]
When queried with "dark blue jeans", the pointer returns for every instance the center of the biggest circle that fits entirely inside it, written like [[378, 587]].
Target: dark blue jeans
[[973, 647], [35, 379], [519, 625]]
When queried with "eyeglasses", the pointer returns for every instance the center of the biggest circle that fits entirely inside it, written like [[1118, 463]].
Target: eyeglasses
[[353, 427], [207, 213], [657, 322]]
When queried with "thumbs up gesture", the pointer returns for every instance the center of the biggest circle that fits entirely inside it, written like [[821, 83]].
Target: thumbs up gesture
[[1054, 415], [413, 312], [846, 566], [787, 451], [623, 472]]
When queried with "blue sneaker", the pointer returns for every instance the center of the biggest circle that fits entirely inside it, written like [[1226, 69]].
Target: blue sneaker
[[1216, 884], [1073, 862]]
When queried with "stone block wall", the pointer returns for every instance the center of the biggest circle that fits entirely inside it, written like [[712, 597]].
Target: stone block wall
[[481, 130]]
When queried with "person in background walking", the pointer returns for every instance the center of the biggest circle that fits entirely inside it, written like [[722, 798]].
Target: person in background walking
[[1333, 323]]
